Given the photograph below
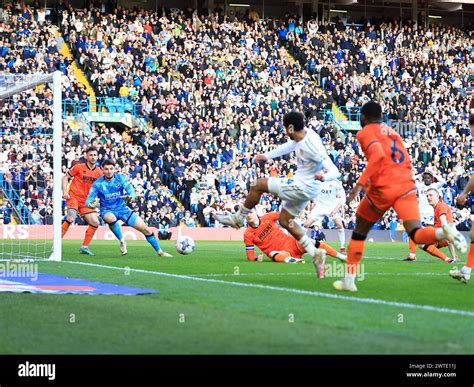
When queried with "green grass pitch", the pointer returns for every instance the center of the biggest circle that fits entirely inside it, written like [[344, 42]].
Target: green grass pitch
[[214, 301]]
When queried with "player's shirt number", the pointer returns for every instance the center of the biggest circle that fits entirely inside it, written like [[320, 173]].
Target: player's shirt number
[[397, 154]]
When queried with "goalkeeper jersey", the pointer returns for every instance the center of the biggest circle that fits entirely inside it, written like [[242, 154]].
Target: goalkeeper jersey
[[110, 192]]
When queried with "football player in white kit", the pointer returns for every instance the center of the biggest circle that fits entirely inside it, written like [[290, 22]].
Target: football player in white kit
[[464, 274], [313, 167], [424, 182], [330, 202]]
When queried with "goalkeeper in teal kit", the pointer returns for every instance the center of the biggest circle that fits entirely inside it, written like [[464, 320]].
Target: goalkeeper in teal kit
[[111, 193]]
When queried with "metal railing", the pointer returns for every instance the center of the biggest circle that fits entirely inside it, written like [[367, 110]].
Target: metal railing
[[19, 206], [120, 106], [353, 114]]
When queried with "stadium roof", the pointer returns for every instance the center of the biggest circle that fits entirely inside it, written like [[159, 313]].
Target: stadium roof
[[452, 11], [443, 6]]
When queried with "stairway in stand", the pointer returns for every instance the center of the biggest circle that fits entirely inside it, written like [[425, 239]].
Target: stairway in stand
[[79, 74]]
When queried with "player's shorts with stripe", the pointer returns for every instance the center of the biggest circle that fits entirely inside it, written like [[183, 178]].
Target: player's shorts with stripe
[[402, 197], [290, 246], [441, 244], [294, 194], [125, 214], [73, 203]]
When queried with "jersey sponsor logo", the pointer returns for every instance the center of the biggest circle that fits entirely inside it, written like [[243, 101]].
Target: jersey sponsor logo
[[267, 230], [326, 191], [88, 179], [111, 196]]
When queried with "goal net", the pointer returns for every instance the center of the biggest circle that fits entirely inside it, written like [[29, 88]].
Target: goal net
[[30, 166]]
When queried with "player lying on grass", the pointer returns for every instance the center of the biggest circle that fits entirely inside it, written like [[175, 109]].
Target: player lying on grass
[[269, 237], [83, 175], [110, 193], [423, 183], [329, 202], [388, 182], [442, 215], [313, 167], [464, 274]]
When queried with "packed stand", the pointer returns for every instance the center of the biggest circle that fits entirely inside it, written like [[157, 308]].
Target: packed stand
[[215, 88], [29, 44]]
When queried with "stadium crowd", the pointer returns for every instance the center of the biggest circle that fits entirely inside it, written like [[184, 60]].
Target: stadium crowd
[[214, 90], [30, 44]]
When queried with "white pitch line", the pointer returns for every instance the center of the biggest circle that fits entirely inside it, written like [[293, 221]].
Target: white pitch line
[[300, 274], [287, 290], [370, 258]]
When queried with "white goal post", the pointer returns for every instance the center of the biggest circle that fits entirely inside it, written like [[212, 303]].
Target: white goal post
[[13, 84]]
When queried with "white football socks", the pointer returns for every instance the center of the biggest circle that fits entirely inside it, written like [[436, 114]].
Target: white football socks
[[308, 245], [243, 212], [341, 234], [466, 270]]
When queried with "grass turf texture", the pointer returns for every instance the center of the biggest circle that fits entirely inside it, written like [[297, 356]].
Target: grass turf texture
[[189, 316]]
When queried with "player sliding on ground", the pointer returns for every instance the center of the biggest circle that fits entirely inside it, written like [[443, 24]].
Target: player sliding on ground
[[313, 167], [110, 193], [330, 203], [83, 175], [442, 215], [426, 210], [464, 274], [388, 182], [269, 237]]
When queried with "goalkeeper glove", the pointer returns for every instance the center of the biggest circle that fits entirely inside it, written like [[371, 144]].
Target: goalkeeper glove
[[94, 203]]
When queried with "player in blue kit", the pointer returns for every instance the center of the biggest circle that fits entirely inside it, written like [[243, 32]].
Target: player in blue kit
[[111, 192]]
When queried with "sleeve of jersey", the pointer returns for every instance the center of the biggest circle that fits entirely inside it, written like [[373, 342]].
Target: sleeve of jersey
[[365, 140], [282, 150], [249, 248], [93, 192], [341, 196], [332, 172], [374, 154], [73, 171], [443, 212], [443, 219]]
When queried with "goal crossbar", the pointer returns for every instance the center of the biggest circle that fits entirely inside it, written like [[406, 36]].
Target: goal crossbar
[[10, 85]]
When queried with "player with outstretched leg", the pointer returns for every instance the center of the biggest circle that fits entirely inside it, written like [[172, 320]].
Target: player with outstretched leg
[[388, 182], [313, 167]]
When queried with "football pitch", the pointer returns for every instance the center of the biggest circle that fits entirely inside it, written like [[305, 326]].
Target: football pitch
[[216, 302]]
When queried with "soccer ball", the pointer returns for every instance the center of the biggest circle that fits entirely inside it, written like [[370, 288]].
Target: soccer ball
[[185, 245]]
